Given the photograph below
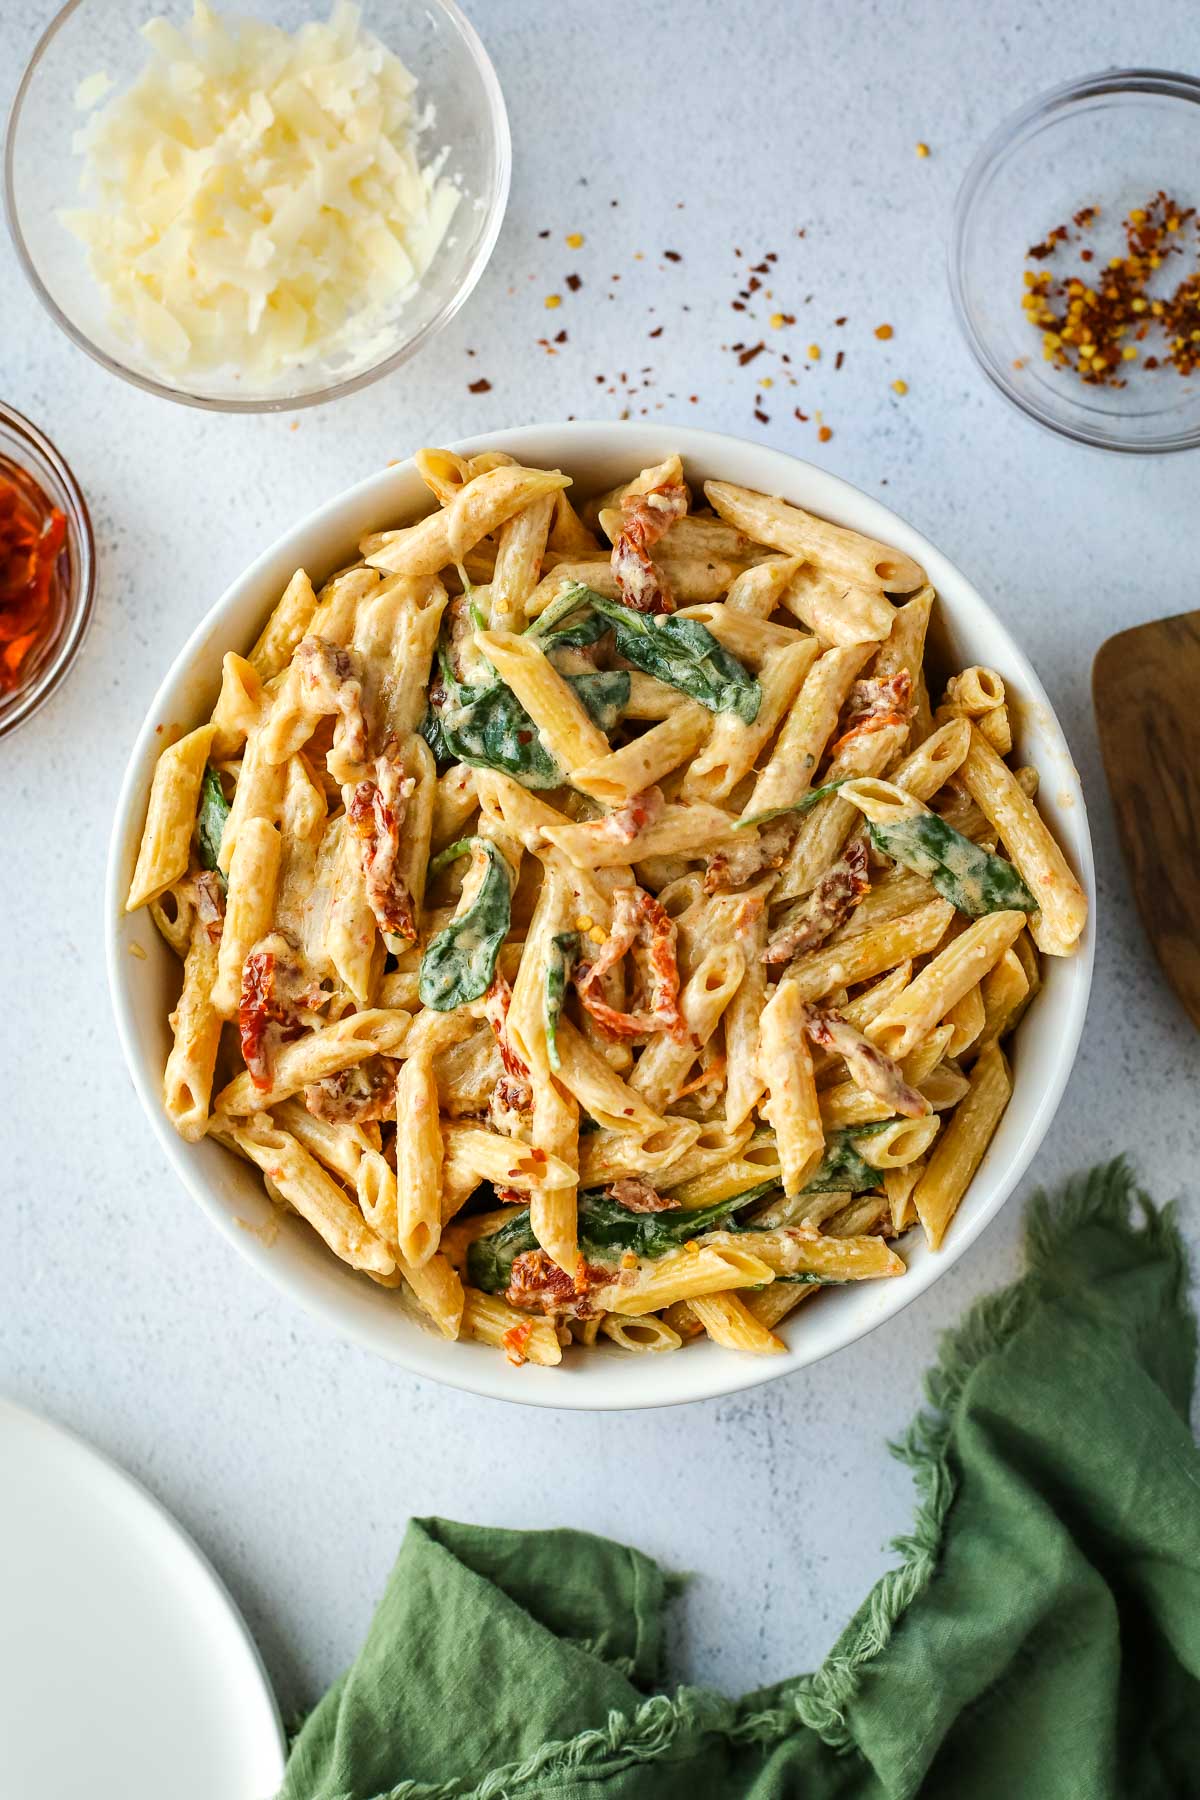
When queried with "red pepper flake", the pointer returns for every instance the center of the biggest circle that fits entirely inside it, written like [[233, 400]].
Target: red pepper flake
[[482, 386], [842, 320], [543, 234], [737, 306], [574, 282], [802, 416], [748, 356], [1087, 329], [672, 256], [657, 332], [839, 359], [560, 337], [694, 398], [762, 417]]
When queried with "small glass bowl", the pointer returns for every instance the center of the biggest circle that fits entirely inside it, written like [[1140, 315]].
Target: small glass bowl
[[1111, 141], [454, 76], [23, 444]]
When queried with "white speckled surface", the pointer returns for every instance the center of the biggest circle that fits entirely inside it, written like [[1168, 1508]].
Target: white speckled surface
[[294, 1460]]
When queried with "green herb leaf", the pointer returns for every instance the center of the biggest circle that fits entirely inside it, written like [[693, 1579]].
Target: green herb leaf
[[487, 728], [796, 806], [211, 815], [970, 878], [606, 1231], [460, 962], [681, 652], [564, 948], [686, 655], [603, 696], [842, 1166]]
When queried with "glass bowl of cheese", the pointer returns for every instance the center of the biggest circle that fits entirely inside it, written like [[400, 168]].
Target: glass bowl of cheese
[[256, 209]]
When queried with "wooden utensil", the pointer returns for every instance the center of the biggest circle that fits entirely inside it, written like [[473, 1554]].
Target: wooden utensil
[[1146, 690]]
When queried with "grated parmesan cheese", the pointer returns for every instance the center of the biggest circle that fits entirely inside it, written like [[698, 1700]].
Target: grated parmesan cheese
[[255, 192]]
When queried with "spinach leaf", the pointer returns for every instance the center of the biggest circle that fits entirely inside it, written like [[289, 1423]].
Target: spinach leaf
[[806, 1278], [210, 819], [564, 948], [681, 652], [606, 1231], [487, 728], [460, 962], [603, 696], [970, 878], [796, 806], [842, 1166], [587, 629]]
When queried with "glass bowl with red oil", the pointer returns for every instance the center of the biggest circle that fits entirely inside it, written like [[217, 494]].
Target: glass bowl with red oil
[[47, 568]]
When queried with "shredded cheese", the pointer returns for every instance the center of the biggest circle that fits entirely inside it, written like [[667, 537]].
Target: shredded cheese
[[257, 197]]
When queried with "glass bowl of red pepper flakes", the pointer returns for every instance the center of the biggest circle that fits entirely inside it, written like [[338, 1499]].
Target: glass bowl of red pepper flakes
[[47, 568], [1075, 260]]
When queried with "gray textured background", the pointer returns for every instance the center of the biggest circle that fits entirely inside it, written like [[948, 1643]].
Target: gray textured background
[[294, 1460]]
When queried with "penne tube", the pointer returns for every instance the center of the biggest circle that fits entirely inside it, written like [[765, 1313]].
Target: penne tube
[[729, 1323], [993, 787], [340, 1147], [564, 726], [951, 974], [167, 834], [806, 731], [960, 1148], [520, 546], [521, 1335], [617, 775], [287, 625], [484, 503], [694, 827], [845, 554], [418, 1160], [644, 1336], [836, 610], [196, 1029], [326, 1051], [318, 1199], [760, 589], [664, 1063], [249, 906], [239, 707], [733, 747], [606, 1156], [502, 1160], [803, 1252], [785, 1063], [681, 1275], [819, 972]]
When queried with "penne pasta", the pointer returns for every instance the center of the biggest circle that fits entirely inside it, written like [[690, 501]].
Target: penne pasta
[[609, 979]]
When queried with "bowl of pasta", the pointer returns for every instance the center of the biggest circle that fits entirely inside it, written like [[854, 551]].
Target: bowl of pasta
[[583, 892]]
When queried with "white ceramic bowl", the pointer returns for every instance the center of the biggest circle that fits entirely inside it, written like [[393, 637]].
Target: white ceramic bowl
[[144, 990]]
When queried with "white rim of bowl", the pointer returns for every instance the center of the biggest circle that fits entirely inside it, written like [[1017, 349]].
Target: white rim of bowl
[[717, 1380], [1165, 82], [498, 206]]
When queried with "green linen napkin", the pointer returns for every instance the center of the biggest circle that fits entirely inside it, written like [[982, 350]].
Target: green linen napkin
[[1040, 1639]]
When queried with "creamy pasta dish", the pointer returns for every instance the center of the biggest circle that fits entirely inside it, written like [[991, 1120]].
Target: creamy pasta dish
[[596, 921]]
